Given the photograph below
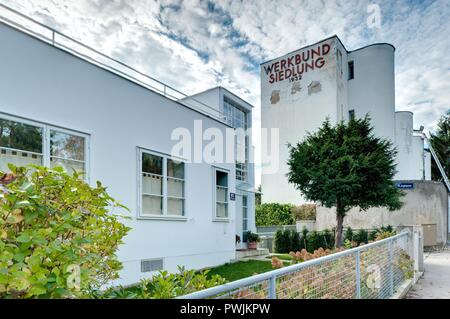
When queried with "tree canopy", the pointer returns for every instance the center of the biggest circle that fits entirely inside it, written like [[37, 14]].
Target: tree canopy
[[441, 144], [345, 166]]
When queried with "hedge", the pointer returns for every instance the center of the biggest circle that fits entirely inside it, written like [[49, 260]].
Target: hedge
[[272, 214]]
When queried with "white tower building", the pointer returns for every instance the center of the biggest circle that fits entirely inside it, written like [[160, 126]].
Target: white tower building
[[324, 80]]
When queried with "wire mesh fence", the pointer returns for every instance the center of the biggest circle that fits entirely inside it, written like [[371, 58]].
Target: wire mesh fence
[[372, 271]]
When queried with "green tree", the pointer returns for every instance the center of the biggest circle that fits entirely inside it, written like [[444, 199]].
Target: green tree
[[58, 235], [441, 144], [345, 166]]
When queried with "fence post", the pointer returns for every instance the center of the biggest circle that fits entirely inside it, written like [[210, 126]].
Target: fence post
[[358, 274], [273, 287], [391, 268]]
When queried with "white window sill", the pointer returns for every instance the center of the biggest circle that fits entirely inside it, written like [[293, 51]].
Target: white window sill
[[221, 220], [158, 217]]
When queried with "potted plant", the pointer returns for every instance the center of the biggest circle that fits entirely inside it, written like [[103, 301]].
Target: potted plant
[[252, 240]]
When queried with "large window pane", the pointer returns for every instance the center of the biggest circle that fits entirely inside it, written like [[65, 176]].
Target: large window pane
[[19, 136], [175, 206], [175, 169], [221, 194], [152, 184], [20, 144], [67, 146], [222, 210], [175, 187], [17, 158], [68, 165], [152, 164], [152, 205]]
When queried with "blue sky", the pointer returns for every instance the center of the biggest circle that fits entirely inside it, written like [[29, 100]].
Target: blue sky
[[194, 45]]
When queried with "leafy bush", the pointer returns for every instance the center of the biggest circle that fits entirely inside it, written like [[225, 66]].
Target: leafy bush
[[274, 214], [58, 237], [361, 237], [164, 285], [291, 241], [304, 212], [252, 237], [294, 241], [282, 241], [348, 234]]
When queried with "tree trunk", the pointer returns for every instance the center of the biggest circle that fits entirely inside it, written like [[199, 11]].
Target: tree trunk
[[339, 226]]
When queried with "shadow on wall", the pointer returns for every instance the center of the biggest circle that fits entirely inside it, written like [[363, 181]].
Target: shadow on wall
[[425, 204]]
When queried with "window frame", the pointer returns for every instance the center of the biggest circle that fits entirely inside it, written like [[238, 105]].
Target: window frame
[[351, 75], [351, 114], [214, 182], [165, 197], [46, 148], [244, 220]]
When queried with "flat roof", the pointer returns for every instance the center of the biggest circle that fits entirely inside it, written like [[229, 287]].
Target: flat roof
[[331, 37], [219, 87], [52, 41]]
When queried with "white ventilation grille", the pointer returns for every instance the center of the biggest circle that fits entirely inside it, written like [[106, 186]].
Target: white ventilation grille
[[149, 265]]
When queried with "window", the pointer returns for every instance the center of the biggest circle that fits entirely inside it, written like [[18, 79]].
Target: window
[[221, 183], [351, 70], [241, 156], [237, 118], [162, 186], [23, 143], [234, 115], [67, 150], [351, 115], [20, 144], [244, 218]]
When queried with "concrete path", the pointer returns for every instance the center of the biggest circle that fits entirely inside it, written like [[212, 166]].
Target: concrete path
[[435, 283]]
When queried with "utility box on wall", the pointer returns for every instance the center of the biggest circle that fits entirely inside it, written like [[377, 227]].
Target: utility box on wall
[[429, 235]]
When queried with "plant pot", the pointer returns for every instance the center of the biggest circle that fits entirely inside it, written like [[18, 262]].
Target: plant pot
[[252, 245]]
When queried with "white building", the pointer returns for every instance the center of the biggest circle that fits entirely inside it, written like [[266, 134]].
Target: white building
[[120, 124], [301, 89]]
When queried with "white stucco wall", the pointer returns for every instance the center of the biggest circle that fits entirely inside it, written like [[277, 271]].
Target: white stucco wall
[[295, 113], [425, 204], [371, 91], [41, 83]]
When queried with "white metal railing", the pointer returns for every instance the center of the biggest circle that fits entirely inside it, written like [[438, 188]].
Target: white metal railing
[[372, 271], [59, 40]]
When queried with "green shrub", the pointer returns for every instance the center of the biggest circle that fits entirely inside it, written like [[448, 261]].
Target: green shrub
[[361, 237], [348, 234], [282, 241], [312, 241], [58, 237], [274, 214], [304, 212], [328, 238], [373, 234], [294, 241], [164, 285], [381, 232]]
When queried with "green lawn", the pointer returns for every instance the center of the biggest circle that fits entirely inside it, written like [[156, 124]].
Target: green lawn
[[241, 269]]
